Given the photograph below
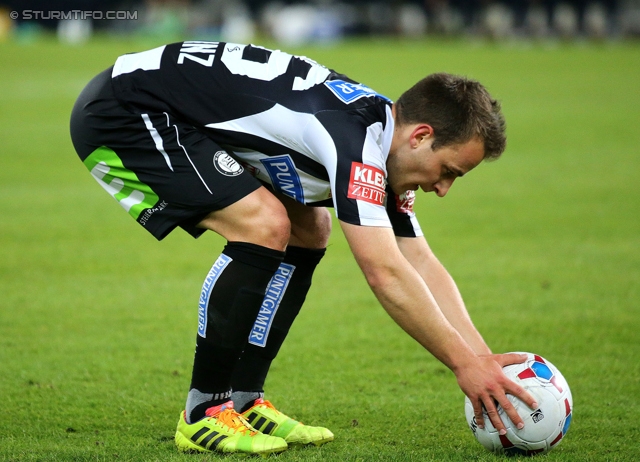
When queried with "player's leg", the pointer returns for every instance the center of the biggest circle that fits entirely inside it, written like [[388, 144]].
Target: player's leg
[[230, 299], [310, 230], [257, 229], [259, 218], [165, 174]]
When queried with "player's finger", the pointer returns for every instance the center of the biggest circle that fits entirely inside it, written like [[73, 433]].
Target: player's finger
[[523, 395], [511, 411], [477, 412], [494, 417], [510, 358]]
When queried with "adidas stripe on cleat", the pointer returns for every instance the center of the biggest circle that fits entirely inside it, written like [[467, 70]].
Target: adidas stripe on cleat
[[265, 418], [224, 430]]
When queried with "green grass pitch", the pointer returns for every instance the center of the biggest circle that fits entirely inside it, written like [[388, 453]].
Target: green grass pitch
[[98, 321]]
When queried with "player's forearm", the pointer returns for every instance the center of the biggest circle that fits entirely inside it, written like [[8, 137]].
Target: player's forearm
[[444, 290], [450, 301], [414, 309], [406, 297]]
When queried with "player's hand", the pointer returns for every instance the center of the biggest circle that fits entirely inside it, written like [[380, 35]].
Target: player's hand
[[486, 386]]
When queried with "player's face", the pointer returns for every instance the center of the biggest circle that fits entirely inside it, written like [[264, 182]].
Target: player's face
[[434, 171]]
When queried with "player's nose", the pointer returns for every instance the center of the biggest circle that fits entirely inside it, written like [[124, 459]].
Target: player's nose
[[441, 188]]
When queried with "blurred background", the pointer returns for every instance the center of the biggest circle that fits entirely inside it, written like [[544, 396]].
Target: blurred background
[[295, 22]]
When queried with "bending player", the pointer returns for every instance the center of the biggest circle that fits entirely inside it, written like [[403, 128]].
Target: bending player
[[254, 144]]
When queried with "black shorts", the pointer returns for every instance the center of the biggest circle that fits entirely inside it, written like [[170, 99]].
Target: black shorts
[[163, 171]]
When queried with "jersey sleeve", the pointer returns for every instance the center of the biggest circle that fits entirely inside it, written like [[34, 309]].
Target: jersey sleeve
[[401, 214], [358, 173]]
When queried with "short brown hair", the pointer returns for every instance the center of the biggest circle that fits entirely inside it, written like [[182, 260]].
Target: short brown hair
[[458, 109]]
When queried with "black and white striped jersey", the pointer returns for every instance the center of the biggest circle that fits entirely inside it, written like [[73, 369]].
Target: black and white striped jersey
[[311, 133]]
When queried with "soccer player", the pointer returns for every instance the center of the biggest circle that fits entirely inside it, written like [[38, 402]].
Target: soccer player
[[254, 144]]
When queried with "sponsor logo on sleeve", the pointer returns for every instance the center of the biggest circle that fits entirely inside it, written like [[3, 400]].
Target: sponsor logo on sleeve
[[284, 176], [226, 164], [273, 296], [349, 92], [366, 183], [404, 202]]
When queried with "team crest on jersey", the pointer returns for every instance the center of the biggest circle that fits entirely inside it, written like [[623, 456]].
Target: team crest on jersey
[[366, 183], [226, 164], [349, 92], [404, 202], [284, 176]]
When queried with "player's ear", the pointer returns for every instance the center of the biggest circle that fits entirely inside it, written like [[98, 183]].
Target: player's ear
[[420, 134]]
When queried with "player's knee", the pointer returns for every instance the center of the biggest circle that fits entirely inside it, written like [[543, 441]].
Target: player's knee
[[267, 222], [322, 227], [272, 227], [311, 229], [258, 218]]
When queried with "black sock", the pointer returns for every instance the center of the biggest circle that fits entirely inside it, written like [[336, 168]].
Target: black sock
[[269, 331], [229, 303]]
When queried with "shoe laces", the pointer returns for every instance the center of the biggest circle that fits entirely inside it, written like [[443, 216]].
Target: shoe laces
[[227, 416], [235, 422], [266, 403]]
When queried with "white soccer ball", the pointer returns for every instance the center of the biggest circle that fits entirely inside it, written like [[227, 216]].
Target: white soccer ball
[[545, 426]]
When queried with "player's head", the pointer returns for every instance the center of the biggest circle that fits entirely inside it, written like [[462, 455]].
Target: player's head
[[458, 109]]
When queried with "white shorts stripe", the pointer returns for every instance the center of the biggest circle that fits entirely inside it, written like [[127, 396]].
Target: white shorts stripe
[[189, 159], [157, 139]]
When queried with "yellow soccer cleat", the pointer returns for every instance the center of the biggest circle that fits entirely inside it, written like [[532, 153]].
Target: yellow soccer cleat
[[224, 430], [264, 417]]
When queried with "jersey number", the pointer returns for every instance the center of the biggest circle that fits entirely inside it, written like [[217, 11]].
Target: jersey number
[[266, 65]]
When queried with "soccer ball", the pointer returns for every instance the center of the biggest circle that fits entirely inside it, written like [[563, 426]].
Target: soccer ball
[[544, 427]]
